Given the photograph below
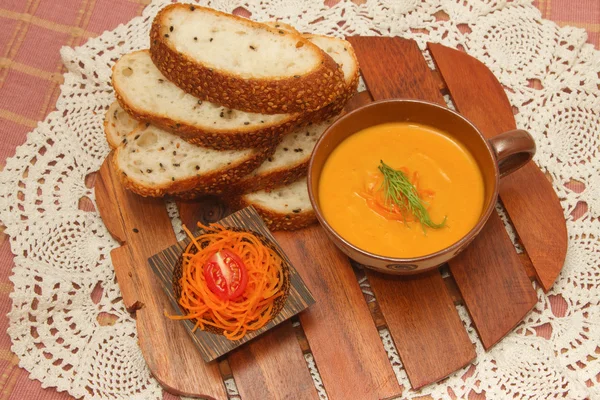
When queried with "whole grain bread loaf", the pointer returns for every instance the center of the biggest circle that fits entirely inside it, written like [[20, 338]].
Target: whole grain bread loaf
[[241, 64]]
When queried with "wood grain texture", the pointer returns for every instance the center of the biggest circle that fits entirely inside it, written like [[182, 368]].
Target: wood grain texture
[[347, 347], [444, 336], [395, 68], [205, 210], [527, 195], [213, 345], [489, 274], [257, 366], [143, 226], [273, 367], [495, 310], [339, 327], [420, 313]]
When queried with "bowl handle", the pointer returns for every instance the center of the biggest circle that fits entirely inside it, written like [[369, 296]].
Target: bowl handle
[[513, 149]]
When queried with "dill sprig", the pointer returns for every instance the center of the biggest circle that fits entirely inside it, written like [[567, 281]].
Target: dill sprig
[[399, 191]]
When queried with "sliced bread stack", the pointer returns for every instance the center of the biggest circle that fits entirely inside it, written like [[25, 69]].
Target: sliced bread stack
[[225, 106]]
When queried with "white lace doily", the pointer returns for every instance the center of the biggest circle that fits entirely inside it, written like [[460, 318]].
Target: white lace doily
[[68, 325]]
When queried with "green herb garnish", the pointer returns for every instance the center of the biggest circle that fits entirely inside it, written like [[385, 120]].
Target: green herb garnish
[[399, 191]]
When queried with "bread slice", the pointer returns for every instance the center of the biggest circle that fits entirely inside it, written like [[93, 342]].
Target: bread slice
[[343, 54], [242, 64], [117, 124], [340, 50], [288, 163], [286, 208], [148, 96], [281, 26], [153, 162]]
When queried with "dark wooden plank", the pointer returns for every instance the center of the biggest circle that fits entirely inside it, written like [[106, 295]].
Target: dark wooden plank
[[395, 68], [396, 296], [266, 368], [495, 310], [527, 195], [339, 327], [257, 366], [143, 226], [420, 314]]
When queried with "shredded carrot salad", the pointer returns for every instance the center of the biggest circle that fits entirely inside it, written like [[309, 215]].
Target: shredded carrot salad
[[254, 308], [375, 197]]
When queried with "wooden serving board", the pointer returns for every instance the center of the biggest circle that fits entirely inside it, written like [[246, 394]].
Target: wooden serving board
[[341, 330]]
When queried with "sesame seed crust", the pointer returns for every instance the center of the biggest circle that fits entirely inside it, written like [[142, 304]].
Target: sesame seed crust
[[214, 182], [336, 107], [272, 180], [235, 139], [286, 175], [309, 92], [275, 221]]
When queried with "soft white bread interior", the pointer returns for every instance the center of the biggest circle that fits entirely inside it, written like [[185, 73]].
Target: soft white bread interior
[[117, 124], [284, 208], [153, 162], [237, 46], [342, 53], [148, 96]]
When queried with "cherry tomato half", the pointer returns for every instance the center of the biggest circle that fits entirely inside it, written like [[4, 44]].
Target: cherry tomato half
[[226, 275]]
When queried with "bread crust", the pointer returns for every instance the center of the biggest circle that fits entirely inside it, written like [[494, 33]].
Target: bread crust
[[240, 138], [305, 93], [272, 180], [274, 220], [218, 140], [213, 183], [286, 175], [237, 139], [234, 139], [335, 108]]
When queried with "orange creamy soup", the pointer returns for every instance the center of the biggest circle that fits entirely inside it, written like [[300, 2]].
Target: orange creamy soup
[[443, 173]]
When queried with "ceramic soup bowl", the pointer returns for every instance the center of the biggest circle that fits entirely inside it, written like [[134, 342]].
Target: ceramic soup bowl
[[496, 157]]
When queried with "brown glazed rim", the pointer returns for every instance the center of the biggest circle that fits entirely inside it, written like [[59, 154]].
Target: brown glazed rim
[[392, 260]]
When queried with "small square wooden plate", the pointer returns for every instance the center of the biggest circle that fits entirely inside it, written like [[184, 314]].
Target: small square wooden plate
[[212, 345]]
